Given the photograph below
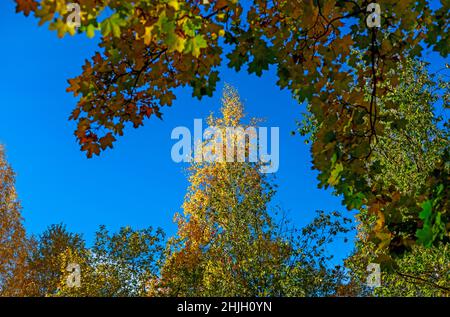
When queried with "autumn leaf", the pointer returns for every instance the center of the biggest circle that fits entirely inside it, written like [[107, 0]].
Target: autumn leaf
[[26, 6], [195, 45]]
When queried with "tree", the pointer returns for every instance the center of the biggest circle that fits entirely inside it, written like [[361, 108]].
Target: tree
[[152, 47], [228, 243], [309, 271], [14, 245], [45, 260], [118, 265]]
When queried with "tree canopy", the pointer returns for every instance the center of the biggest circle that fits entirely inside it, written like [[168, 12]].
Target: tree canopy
[[148, 48], [376, 122]]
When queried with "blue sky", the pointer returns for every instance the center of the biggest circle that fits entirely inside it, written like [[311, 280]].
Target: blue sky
[[136, 183]]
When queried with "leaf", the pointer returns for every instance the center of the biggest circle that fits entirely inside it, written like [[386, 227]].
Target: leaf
[[90, 31], [433, 228], [60, 27], [174, 4], [148, 35], [426, 212], [26, 6], [175, 42], [112, 25], [335, 173], [425, 235], [263, 56], [195, 45], [107, 141]]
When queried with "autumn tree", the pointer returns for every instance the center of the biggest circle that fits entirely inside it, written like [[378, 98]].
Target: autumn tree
[[45, 259], [120, 264], [228, 242], [14, 245]]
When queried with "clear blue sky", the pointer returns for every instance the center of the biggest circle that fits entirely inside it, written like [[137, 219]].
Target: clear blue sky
[[136, 183]]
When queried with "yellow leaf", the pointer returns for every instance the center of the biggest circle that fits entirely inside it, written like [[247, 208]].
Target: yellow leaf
[[174, 4], [148, 35]]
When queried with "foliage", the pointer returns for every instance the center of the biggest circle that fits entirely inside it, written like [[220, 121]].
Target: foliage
[[229, 244], [246, 252], [376, 139], [404, 181], [150, 47], [422, 271], [44, 262], [14, 246], [309, 270], [120, 264]]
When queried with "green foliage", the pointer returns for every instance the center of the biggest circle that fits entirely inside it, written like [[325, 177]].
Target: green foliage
[[433, 228], [407, 165], [420, 272], [118, 265]]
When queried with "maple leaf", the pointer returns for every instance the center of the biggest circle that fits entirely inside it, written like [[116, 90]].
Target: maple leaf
[[26, 6]]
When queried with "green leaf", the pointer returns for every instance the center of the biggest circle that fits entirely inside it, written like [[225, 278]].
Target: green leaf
[[190, 26], [175, 42], [263, 56], [90, 31], [427, 207], [112, 25], [425, 235], [195, 45], [334, 178]]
